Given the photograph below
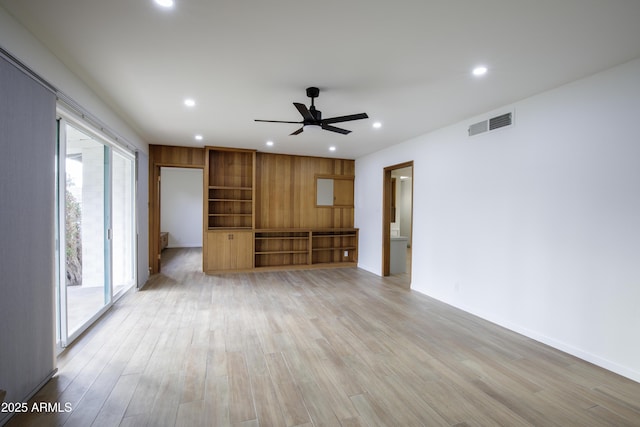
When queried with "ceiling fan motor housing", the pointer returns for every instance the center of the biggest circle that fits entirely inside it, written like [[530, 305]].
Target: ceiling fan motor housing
[[317, 115], [313, 92]]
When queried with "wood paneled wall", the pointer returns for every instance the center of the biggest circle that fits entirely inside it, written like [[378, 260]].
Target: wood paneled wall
[[165, 156], [285, 192], [182, 157]]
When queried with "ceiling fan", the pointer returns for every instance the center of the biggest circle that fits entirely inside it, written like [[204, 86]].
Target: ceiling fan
[[313, 118]]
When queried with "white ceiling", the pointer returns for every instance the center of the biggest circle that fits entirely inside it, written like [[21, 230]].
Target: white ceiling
[[406, 63]]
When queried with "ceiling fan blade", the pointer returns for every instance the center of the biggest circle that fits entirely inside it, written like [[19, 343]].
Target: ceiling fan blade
[[297, 132], [274, 121], [335, 129], [345, 118], [304, 111]]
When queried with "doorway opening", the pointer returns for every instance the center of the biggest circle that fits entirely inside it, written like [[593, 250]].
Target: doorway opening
[[397, 222], [181, 212]]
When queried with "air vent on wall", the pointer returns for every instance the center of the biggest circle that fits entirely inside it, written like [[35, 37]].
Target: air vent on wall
[[500, 121], [477, 128], [493, 123]]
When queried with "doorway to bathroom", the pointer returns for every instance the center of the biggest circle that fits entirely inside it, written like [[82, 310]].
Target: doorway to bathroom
[[398, 222]]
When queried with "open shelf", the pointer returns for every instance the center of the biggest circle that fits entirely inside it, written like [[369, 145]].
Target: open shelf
[[230, 221], [334, 246], [230, 189], [280, 248]]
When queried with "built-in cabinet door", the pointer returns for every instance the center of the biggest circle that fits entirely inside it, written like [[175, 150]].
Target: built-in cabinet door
[[229, 250], [343, 192]]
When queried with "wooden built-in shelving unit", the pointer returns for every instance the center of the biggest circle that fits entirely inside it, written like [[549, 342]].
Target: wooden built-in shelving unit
[[278, 248], [260, 213], [230, 178], [305, 247], [335, 246], [228, 209]]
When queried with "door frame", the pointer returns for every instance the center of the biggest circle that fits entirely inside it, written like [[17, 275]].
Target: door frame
[[155, 188], [64, 119], [386, 215], [165, 156]]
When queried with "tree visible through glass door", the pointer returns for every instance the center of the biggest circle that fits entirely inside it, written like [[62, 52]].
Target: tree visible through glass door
[[85, 223]]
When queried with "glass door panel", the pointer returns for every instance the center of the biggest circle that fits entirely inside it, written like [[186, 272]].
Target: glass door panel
[[123, 222], [96, 228], [86, 264]]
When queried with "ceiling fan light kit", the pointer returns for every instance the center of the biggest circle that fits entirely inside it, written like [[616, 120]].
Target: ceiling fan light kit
[[312, 118], [312, 128]]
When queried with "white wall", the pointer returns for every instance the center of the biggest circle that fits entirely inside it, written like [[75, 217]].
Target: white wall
[[23, 45], [535, 227], [181, 206]]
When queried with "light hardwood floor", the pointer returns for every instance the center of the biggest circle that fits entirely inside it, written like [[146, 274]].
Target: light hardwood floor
[[316, 348]]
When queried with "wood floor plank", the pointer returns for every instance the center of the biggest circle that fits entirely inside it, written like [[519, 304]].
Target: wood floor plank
[[241, 406], [315, 348], [150, 379], [143, 396], [190, 414], [318, 405], [378, 396], [352, 422], [624, 397], [140, 358], [616, 406], [165, 407], [216, 363], [415, 404], [92, 384], [372, 413], [116, 404], [305, 366], [194, 367], [603, 416], [134, 421], [291, 402], [267, 407], [216, 401]]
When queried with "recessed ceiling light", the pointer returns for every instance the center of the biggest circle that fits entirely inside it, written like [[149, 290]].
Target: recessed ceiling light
[[332, 148], [480, 70], [164, 3], [377, 125], [270, 143], [198, 137], [189, 102]]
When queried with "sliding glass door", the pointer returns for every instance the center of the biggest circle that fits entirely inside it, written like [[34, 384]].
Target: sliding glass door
[[95, 228], [123, 245]]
